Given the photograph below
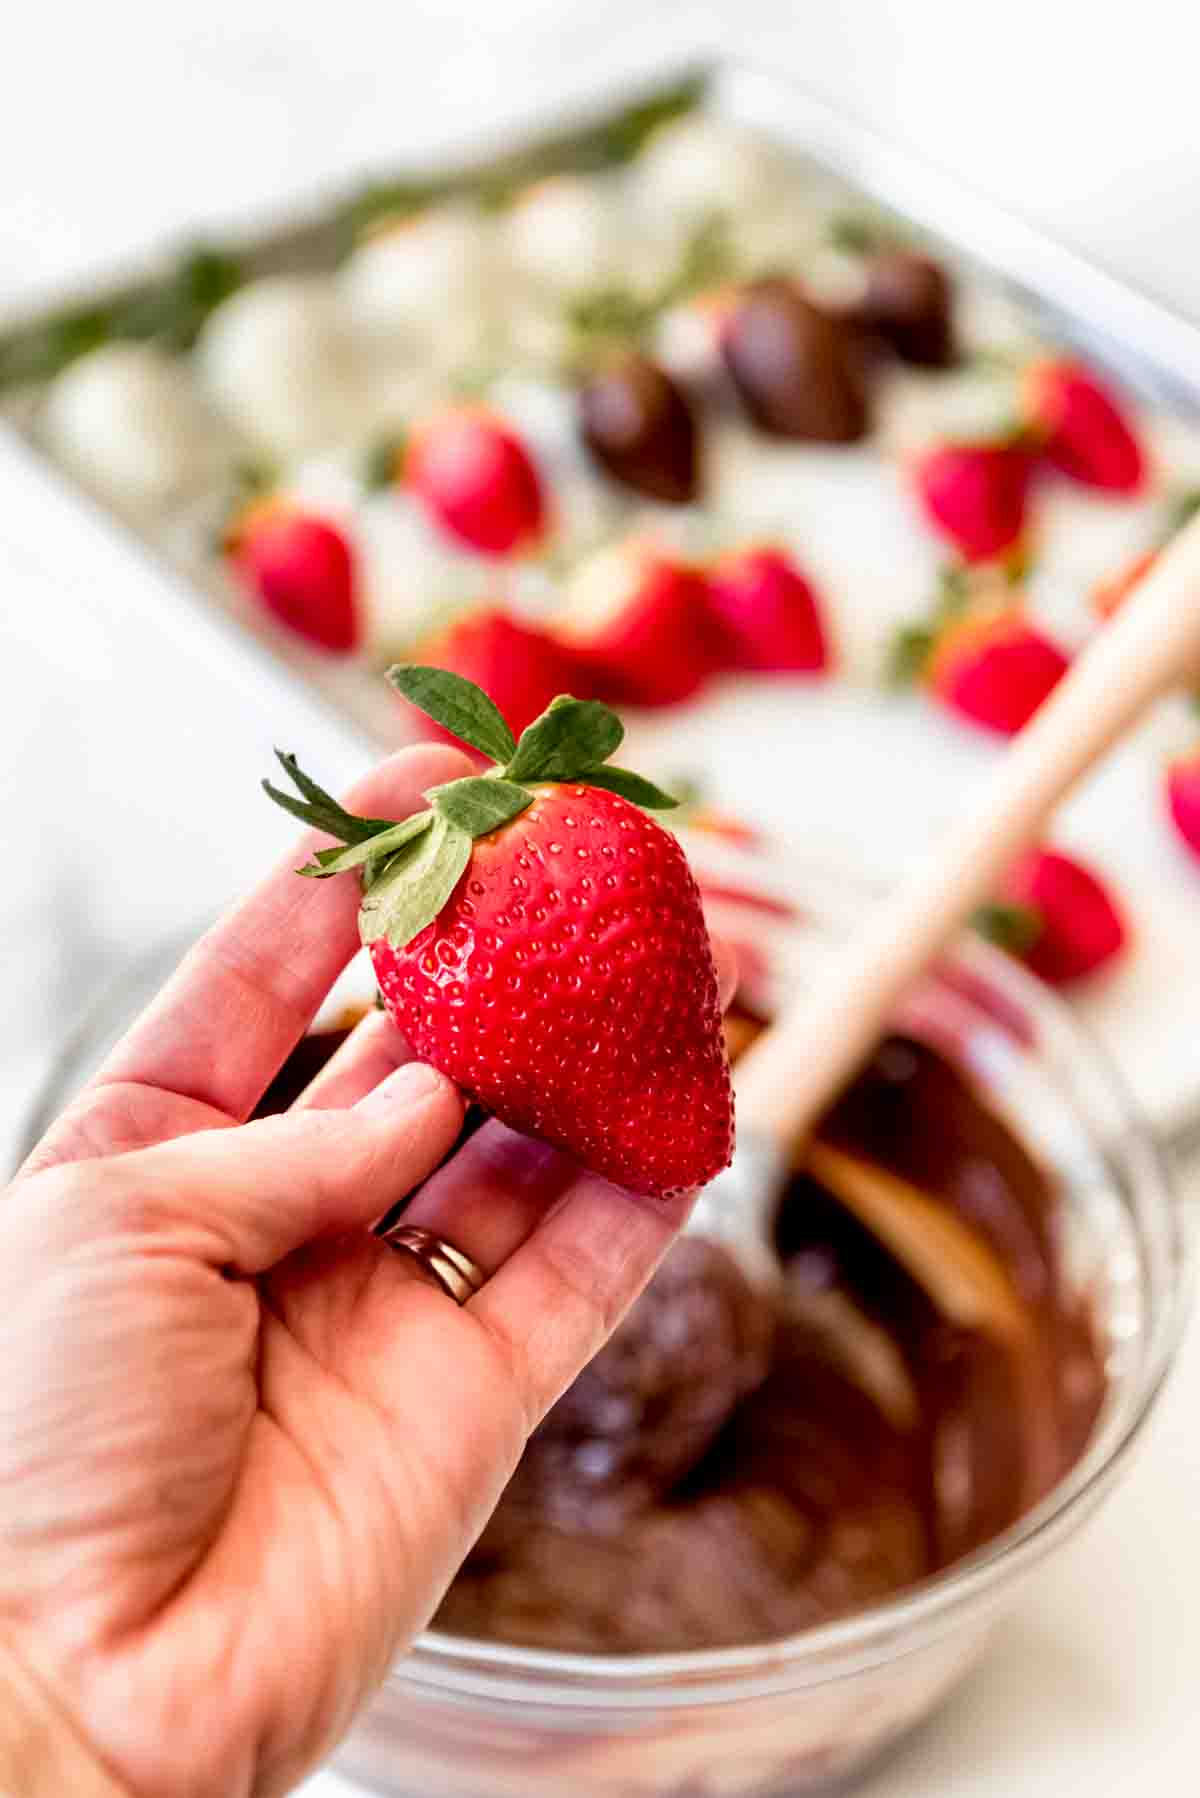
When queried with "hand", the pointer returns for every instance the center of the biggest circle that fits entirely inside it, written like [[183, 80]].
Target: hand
[[243, 1445]]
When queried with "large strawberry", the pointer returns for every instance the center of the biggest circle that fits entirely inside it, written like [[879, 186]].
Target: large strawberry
[[996, 669], [1183, 798], [975, 494], [767, 613], [1081, 428], [301, 569], [519, 667], [1055, 915], [540, 940], [477, 479], [637, 625]]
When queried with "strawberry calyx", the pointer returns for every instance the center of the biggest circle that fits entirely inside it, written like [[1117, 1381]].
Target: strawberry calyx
[[410, 867], [913, 643], [962, 593], [252, 496], [1012, 927], [383, 462]]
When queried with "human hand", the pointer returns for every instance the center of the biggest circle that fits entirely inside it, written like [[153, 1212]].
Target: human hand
[[243, 1445]]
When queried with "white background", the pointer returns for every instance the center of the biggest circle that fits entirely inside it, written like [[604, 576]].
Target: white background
[[125, 123]]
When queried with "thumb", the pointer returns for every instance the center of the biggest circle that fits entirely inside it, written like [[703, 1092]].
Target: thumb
[[244, 1197]]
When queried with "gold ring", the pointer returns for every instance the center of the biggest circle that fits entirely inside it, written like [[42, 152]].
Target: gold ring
[[455, 1273]]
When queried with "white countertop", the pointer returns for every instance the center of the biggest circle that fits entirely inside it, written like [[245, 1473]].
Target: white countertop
[[105, 747]]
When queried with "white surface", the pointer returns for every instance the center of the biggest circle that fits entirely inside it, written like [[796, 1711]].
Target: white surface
[[131, 123]]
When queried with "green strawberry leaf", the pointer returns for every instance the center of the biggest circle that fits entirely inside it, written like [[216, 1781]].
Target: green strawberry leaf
[[458, 705], [1182, 509], [382, 462], [319, 808], [953, 592], [479, 804], [630, 786], [1015, 928], [337, 861], [415, 883], [852, 234], [910, 650], [571, 736]]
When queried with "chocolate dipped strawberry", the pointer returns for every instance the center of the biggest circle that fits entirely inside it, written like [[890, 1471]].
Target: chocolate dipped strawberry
[[767, 613], [975, 495], [540, 939], [300, 568], [1081, 427], [476, 479], [637, 627], [518, 666], [638, 425], [1055, 914], [795, 368], [907, 303]]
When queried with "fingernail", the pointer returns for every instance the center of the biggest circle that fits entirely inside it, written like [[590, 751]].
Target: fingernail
[[416, 1080]]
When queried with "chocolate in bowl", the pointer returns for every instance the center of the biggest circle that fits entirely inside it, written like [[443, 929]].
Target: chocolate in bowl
[[814, 1456], [799, 1704]]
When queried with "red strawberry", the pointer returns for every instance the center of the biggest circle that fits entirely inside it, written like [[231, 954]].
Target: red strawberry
[[975, 494], [1056, 916], [1081, 428], [478, 480], [1183, 798], [637, 626], [302, 569], [767, 613], [541, 940], [518, 666], [995, 668]]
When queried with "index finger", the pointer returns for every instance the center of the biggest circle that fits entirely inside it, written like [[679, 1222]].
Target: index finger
[[242, 998]]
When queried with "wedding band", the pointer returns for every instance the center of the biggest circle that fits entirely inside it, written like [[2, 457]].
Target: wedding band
[[455, 1273]]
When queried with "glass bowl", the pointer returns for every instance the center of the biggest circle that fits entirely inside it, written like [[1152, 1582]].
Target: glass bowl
[[465, 1719]]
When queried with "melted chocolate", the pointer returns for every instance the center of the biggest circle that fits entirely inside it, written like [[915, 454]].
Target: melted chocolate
[[673, 1500], [727, 1471]]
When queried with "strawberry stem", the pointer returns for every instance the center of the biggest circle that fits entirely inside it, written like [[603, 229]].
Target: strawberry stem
[[410, 867]]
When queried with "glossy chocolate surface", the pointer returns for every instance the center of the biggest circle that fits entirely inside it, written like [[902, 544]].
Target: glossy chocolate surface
[[728, 1470], [722, 1473]]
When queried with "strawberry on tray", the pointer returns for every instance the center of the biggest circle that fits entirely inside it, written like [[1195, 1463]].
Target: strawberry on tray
[[541, 940], [301, 569]]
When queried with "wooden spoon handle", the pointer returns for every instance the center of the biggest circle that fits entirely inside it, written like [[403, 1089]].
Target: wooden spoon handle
[[790, 1074]]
